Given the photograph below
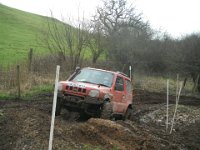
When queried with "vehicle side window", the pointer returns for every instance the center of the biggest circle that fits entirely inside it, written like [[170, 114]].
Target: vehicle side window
[[128, 86], [119, 85]]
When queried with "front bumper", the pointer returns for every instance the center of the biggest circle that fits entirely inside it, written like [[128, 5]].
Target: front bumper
[[89, 105]]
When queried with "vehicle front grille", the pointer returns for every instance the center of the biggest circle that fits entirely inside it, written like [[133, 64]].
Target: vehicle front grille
[[75, 89]]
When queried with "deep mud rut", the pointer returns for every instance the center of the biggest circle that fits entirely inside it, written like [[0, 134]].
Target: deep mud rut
[[26, 124]]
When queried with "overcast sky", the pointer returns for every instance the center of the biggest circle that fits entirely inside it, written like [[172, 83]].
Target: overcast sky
[[176, 17]]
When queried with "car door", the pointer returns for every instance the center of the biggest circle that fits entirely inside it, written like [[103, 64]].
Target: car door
[[119, 95], [128, 92], [127, 95]]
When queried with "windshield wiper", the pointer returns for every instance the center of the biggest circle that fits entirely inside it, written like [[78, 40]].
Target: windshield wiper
[[100, 84], [86, 82]]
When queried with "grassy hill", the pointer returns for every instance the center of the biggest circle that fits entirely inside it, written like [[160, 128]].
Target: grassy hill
[[19, 31]]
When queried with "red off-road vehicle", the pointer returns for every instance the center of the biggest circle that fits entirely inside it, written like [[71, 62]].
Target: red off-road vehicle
[[96, 92]]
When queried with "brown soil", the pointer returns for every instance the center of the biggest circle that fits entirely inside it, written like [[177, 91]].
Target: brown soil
[[26, 124]]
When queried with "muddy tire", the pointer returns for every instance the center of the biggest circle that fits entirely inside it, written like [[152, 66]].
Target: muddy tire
[[128, 114], [83, 116], [58, 106], [106, 111]]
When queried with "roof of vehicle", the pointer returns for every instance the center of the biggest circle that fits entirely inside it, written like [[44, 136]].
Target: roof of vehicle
[[114, 72]]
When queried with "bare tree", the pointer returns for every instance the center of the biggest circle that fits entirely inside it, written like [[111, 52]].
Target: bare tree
[[66, 40], [124, 29], [54, 37], [76, 41], [117, 14], [96, 40]]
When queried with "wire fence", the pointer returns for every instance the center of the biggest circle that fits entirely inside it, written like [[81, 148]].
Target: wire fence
[[9, 78], [41, 71]]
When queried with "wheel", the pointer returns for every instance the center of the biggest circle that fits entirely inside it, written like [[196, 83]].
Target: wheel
[[106, 110], [58, 106], [83, 116], [128, 114]]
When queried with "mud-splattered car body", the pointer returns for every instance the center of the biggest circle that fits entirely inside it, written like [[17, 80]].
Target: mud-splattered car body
[[88, 89]]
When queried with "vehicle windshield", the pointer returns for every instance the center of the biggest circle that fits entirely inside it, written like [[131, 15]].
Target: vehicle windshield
[[98, 77]]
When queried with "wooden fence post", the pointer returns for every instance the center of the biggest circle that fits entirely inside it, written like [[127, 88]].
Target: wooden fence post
[[18, 83], [167, 112], [30, 58], [177, 81]]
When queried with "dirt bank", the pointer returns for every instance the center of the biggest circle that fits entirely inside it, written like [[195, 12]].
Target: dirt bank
[[25, 125]]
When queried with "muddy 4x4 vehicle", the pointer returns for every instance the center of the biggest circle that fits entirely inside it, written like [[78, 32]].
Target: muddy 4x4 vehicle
[[96, 92]]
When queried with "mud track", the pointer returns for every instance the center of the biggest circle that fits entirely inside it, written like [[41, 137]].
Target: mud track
[[26, 124]]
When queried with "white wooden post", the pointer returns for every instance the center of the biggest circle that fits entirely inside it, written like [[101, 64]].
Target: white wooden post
[[179, 93], [177, 81], [130, 71], [167, 114], [54, 108]]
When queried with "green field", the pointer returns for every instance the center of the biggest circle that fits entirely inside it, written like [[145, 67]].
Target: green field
[[19, 31]]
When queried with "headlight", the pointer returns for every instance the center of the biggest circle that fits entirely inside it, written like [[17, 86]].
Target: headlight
[[94, 93], [60, 87]]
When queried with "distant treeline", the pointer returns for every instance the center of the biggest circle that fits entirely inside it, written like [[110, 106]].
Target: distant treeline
[[166, 55], [119, 31]]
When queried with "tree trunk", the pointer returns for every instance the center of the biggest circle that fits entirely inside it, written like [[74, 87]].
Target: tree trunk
[[196, 81], [198, 86], [94, 59]]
